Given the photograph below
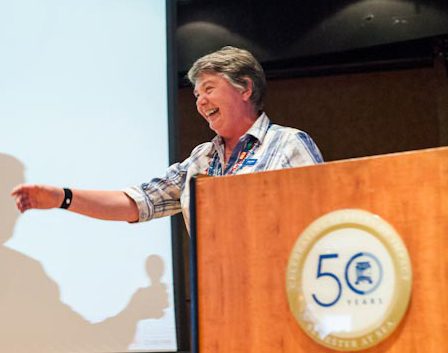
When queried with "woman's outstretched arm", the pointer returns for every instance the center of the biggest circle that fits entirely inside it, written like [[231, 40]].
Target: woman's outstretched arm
[[101, 204]]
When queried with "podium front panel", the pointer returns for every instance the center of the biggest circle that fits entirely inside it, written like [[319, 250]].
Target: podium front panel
[[246, 226]]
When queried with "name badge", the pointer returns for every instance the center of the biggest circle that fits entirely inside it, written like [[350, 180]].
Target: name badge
[[250, 162]]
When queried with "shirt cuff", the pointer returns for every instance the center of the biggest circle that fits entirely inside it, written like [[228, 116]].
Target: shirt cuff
[[144, 204]]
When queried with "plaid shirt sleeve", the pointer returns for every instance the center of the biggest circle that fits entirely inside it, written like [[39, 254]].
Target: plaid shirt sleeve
[[160, 197]]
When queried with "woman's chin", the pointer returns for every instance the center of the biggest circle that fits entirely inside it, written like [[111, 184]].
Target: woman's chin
[[213, 123], [214, 129]]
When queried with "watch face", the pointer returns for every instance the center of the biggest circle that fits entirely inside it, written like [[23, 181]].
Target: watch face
[[349, 280]]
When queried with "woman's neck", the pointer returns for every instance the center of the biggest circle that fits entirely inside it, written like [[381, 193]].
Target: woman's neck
[[231, 142]]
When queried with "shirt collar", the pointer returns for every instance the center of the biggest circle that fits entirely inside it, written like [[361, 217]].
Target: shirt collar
[[258, 130], [259, 127]]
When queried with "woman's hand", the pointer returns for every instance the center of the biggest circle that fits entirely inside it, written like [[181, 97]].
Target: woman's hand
[[29, 196]]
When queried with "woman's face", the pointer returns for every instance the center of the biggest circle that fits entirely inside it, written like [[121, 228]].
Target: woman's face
[[223, 106]]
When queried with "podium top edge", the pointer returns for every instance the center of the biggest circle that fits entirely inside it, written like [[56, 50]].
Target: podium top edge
[[432, 150], [426, 151]]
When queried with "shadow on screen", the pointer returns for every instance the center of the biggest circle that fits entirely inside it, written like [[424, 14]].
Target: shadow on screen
[[32, 316]]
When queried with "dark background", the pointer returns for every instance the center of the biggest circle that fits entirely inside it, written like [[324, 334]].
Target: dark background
[[280, 32], [361, 77]]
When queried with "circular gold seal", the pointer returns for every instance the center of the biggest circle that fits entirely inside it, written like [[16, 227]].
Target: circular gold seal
[[349, 280]]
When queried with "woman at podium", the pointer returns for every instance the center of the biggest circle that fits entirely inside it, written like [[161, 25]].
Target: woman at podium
[[229, 86]]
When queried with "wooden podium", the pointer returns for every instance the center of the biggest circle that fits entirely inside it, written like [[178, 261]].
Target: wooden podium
[[244, 227]]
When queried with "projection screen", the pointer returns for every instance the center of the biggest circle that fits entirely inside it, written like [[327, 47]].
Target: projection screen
[[83, 103]]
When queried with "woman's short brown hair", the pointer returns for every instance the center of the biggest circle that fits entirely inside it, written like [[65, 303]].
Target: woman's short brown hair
[[236, 65]]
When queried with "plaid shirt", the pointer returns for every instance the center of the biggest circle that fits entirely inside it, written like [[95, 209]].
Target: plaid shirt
[[272, 147]]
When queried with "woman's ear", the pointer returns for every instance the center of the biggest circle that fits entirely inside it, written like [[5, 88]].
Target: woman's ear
[[247, 92]]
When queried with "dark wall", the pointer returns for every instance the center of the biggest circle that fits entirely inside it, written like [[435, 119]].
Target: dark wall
[[290, 29]]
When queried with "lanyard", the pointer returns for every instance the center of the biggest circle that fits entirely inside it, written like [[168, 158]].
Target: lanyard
[[216, 167]]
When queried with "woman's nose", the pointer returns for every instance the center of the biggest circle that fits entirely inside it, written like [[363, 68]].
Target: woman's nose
[[201, 100]]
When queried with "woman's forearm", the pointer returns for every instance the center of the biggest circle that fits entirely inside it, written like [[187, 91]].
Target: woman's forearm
[[101, 204]]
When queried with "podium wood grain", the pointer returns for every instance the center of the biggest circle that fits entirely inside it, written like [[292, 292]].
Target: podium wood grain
[[248, 224]]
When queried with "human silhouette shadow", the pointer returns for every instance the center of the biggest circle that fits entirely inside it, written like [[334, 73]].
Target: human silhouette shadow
[[32, 316]]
